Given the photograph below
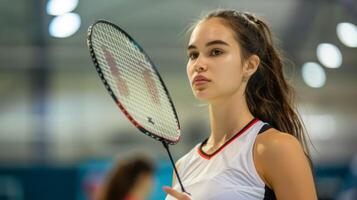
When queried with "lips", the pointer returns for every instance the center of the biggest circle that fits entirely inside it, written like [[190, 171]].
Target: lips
[[200, 79]]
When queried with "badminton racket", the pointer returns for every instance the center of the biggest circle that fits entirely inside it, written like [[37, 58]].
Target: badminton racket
[[133, 82]]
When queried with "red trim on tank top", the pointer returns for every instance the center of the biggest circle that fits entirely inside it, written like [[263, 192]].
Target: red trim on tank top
[[209, 156]]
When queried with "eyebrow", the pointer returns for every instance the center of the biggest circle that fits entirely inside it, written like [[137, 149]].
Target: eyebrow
[[214, 42]]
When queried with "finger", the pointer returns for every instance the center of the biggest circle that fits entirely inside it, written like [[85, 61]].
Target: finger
[[172, 192], [176, 194]]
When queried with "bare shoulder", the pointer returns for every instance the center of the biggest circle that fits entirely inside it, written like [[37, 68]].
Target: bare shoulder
[[267, 148], [281, 162], [276, 142], [274, 148]]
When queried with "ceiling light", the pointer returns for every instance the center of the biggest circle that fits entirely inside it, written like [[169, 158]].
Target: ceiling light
[[64, 25], [347, 33], [329, 55], [313, 75], [59, 7]]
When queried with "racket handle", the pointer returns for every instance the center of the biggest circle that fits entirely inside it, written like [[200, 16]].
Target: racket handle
[[166, 145]]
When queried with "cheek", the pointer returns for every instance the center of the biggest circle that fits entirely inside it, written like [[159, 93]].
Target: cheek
[[229, 67], [189, 70], [230, 74]]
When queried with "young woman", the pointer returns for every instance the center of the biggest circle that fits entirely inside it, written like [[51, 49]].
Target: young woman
[[257, 147]]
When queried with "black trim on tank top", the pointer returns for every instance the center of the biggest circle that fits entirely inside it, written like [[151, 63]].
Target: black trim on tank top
[[264, 128], [269, 193]]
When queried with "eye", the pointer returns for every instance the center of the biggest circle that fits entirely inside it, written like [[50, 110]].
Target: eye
[[192, 55], [215, 52]]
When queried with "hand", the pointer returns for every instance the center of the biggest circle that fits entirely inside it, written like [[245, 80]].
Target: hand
[[178, 195]]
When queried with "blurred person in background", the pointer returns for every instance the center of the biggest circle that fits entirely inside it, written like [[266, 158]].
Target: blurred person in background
[[131, 179]]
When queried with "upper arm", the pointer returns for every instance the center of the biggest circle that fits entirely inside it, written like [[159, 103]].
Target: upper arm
[[285, 166]]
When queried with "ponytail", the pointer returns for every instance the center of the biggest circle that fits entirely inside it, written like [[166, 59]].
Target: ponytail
[[268, 95]]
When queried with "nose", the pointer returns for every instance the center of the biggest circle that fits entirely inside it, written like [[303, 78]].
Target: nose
[[199, 69], [200, 65]]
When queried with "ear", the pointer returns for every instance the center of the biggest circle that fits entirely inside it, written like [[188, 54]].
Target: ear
[[251, 66]]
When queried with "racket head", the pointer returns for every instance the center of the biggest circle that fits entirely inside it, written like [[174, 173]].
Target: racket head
[[117, 58]]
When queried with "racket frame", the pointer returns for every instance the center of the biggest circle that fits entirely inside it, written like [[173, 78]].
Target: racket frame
[[117, 101]]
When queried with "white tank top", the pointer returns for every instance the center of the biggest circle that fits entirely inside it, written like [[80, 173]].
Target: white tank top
[[227, 174]]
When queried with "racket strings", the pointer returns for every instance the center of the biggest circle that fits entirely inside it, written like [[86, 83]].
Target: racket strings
[[146, 99]]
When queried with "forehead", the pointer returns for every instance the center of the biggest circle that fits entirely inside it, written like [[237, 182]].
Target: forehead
[[211, 29]]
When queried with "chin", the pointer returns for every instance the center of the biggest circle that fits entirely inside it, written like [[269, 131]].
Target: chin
[[203, 96]]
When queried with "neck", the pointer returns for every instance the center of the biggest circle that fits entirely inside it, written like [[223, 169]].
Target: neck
[[227, 117]]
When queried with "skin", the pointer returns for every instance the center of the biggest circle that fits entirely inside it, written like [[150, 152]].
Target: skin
[[278, 157]]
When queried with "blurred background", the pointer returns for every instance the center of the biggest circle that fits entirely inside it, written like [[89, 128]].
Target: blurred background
[[60, 130]]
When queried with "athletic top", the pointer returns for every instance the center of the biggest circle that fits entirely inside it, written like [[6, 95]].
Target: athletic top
[[228, 173]]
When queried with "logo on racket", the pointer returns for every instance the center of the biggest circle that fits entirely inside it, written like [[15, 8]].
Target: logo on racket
[[151, 86], [150, 121], [121, 84]]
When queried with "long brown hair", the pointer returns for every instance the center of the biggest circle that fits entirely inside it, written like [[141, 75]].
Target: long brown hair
[[268, 95]]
